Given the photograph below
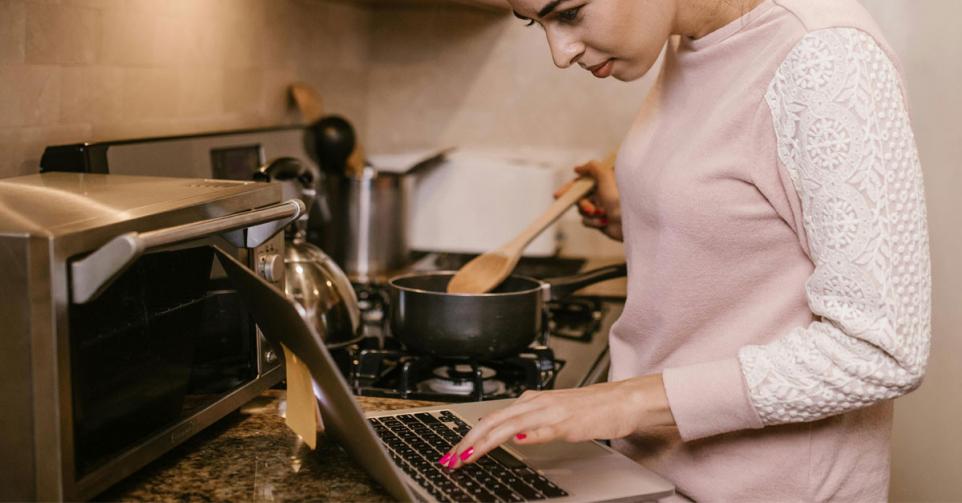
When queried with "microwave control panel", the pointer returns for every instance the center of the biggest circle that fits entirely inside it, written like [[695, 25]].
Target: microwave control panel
[[268, 260]]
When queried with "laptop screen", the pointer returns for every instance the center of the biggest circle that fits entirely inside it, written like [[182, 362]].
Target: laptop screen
[[281, 321]]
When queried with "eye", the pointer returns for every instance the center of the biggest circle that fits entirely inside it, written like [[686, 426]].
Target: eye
[[569, 15]]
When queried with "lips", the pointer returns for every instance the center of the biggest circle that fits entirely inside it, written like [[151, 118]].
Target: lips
[[602, 69]]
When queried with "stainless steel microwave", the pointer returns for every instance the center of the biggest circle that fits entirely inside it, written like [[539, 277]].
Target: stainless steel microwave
[[121, 334]]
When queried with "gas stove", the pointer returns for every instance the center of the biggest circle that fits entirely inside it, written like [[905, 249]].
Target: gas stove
[[572, 351]]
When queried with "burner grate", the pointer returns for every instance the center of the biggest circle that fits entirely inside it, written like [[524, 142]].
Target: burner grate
[[398, 374]]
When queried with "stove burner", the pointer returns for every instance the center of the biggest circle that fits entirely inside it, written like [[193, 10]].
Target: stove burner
[[574, 319], [462, 372], [463, 379], [401, 374]]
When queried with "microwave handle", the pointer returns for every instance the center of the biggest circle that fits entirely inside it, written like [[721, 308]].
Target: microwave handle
[[93, 273]]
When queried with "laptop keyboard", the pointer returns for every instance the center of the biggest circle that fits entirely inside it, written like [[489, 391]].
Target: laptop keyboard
[[416, 442]]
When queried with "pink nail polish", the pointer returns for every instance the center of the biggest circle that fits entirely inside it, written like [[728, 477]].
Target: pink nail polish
[[467, 454], [453, 461], [444, 459], [520, 436]]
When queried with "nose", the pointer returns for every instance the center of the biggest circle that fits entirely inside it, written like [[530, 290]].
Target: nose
[[566, 49]]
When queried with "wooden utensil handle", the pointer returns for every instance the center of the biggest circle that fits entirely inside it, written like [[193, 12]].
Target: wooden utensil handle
[[355, 162], [308, 101], [580, 188]]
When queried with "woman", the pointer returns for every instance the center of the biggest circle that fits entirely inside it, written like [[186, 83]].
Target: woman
[[771, 204]]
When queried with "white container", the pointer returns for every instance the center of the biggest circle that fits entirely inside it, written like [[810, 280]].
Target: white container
[[477, 200]]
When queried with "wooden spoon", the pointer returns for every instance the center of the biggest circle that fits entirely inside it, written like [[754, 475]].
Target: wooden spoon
[[487, 271], [308, 101]]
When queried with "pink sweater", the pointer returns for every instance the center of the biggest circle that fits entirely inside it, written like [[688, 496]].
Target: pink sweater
[[778, 256]]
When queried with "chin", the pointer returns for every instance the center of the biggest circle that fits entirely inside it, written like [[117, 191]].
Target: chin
[[632, 72]]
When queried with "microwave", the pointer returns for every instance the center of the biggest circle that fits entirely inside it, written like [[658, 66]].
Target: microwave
[[121, 334]]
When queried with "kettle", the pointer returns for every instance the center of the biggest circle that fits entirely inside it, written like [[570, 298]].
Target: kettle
[[312, 279]]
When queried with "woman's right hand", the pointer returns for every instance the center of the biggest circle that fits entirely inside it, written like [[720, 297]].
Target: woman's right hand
[[602, 208]]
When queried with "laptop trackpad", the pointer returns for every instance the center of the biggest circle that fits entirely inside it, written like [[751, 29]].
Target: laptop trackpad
[[537, 455]]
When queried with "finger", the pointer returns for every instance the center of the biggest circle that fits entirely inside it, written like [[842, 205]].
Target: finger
[[595, 222], [528, 395], [544, 420], [509, 415], [586, 207], [589, 208], [586, 169], [463, 449], [540, 435], [591, 168], [490, 422], [564, 188]]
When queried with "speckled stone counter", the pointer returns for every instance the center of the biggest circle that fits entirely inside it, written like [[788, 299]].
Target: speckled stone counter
[[251, 455]]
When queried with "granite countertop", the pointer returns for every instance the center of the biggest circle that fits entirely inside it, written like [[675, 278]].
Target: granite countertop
[[251, 455]]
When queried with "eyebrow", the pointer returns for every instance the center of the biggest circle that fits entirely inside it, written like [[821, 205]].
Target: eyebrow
[[547, 9], [550, 6]]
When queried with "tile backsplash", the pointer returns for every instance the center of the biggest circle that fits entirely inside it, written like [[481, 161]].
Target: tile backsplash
[[82, 70]]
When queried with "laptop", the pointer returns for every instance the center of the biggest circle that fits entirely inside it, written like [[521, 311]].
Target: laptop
[[400, 448]]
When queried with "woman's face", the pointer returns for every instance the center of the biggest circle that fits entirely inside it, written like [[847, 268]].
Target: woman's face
[[618, 38]]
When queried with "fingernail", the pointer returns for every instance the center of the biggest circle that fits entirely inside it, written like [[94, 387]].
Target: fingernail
[[467, 454], [444, 459], [520, 436], [452, 462]]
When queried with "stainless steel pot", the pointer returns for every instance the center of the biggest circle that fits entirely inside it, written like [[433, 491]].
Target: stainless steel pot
[[365, 230]]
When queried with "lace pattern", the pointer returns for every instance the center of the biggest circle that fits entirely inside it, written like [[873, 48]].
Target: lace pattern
[[844, 137]]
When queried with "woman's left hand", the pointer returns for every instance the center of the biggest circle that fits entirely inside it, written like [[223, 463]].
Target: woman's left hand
[[601, 411]]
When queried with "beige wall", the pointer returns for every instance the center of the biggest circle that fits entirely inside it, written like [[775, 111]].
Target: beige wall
[[927, 443], [75, 70]]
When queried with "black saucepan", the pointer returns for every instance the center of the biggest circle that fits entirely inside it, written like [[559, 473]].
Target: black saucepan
[[427, 319]]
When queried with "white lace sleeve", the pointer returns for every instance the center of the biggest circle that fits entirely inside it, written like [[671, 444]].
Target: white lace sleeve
[[844, 137]]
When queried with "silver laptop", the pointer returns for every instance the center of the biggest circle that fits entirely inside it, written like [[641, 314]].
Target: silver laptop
[[400, 448]]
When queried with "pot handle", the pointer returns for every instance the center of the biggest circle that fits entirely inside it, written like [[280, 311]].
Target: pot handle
[[559, 288]]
